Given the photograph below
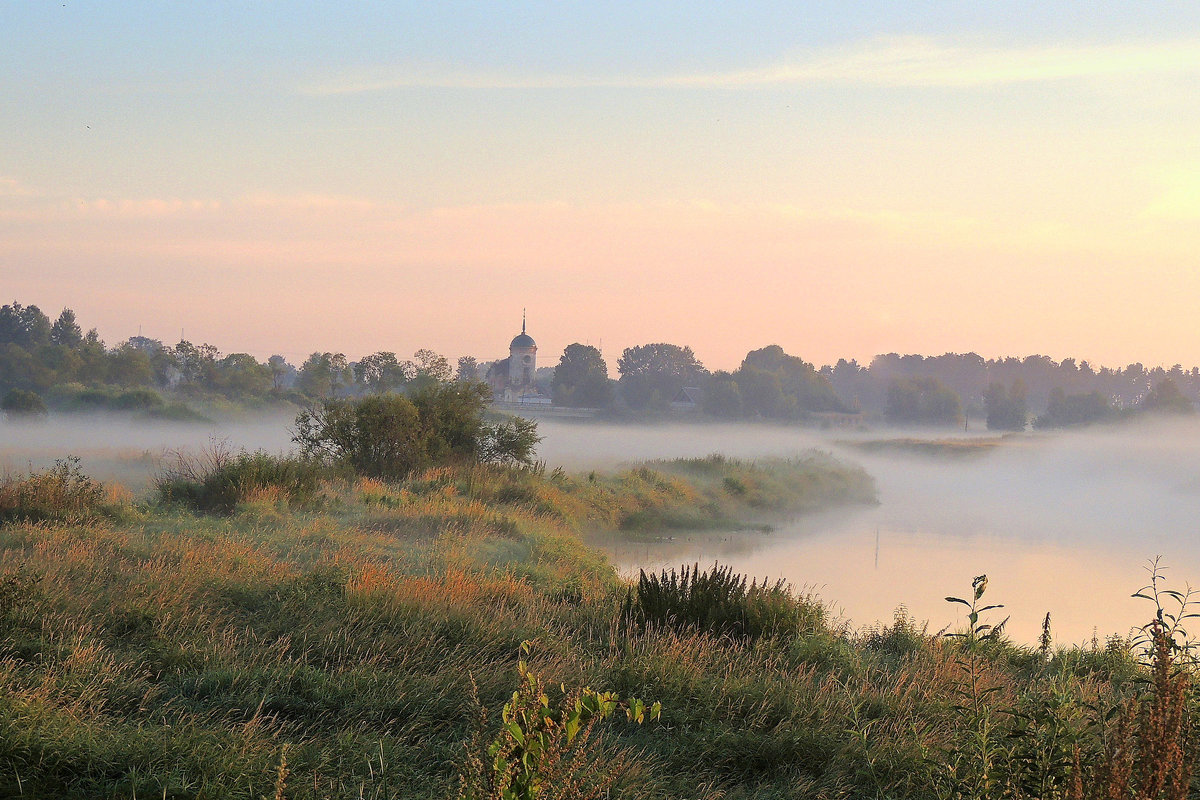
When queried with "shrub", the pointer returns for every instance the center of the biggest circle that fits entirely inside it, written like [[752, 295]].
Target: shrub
[[218, 479], [60, 493], [20, 404], [719, 601], [391, 436], [137, 400]]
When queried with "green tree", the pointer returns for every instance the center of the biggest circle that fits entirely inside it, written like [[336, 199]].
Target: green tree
[[390, 435], [1166, 398], [430, 368], [93, 360], [1069, 410], [280, 369], [243, 376], [379, 435], [581, 378], [654, 373], [468, 369], [382, 372], [25, 326], [802, 388], [197, 365], [722, 397], [761, 391], [20, 404], [129, 366], [922, 401], [323, 375], [1005, 406], [66, 331]]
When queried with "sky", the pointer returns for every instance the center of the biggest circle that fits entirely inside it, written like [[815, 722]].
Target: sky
[[842, 179]]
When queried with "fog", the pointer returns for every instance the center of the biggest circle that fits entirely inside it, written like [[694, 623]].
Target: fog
[[121, 448], [1063, 523]]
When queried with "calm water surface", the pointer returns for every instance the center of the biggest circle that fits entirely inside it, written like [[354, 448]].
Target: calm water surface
[[1062, 524]]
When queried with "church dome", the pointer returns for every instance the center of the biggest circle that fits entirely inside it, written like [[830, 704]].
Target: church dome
[[522, 339]]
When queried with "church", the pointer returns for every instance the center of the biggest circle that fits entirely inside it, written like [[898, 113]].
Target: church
[[513, 380]]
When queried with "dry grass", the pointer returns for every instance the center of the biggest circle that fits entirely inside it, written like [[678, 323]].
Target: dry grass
[[330, 652]]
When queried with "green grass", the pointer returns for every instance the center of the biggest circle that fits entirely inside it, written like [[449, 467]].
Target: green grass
[[166, 652]]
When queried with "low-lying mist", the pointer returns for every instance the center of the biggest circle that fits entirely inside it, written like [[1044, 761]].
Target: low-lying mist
[[1063, 523]]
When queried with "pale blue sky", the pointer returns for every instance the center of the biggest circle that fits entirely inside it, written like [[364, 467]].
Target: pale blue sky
[[883, 162]]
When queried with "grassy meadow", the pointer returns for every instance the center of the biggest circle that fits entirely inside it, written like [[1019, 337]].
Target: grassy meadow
[[337, 637]]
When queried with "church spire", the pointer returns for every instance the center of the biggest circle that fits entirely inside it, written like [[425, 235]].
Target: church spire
[[522, 320]]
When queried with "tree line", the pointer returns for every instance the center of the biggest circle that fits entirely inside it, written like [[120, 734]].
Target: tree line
[[53, 362]]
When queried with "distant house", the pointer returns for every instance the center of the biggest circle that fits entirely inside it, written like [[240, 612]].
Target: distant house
[[688, 399]]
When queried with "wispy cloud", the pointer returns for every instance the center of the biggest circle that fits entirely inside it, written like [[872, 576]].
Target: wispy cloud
[[906, 61]]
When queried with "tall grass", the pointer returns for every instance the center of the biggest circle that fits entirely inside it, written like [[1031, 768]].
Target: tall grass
[[217, 479], [332, 650], [719, 601], [61, 493]]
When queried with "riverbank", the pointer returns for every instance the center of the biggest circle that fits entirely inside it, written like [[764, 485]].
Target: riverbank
[[339, 641]]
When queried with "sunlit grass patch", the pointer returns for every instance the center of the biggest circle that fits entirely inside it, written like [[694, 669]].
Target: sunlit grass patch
[[61, 493], [218, 479]]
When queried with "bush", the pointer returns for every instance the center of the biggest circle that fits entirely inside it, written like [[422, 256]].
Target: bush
[[137, 400], [174, 412], [61, 493], [391, 436], [719, 601], [218, 479], [20, 404]]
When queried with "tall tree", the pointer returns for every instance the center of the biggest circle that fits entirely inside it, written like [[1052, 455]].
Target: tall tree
[[1006, 409], [722, 396], [1166, 398], [66, 331], [654, 373], [801, 388], [242, 375], [581, 378], [468, 369], [323, 375], [383, 372], [280, 369], [429, 369], [24, 326], [922, 401]]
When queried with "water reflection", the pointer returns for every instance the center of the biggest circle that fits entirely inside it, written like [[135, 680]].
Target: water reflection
[[1064, 524], [866, 569]]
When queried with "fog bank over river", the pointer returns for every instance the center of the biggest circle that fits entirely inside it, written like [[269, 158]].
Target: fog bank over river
[[1062, 523]]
